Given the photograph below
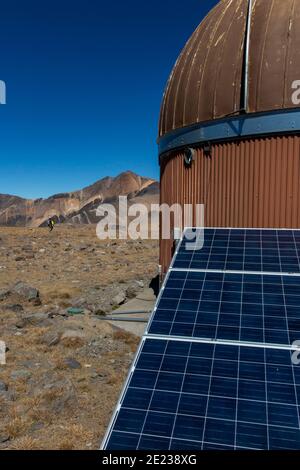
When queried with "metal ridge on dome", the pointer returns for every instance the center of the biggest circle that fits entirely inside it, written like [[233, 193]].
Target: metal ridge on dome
[[248, 125]]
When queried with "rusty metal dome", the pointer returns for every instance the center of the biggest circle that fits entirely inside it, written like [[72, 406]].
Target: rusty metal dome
[[209, 82]]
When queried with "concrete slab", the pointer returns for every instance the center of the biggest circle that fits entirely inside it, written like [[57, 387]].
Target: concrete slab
[[145, 302]]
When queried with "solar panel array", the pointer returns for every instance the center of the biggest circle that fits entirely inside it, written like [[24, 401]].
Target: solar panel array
[[214, 369]]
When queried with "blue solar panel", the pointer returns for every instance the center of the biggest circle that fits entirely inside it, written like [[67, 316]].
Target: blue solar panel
[[237, 307], [229, 381], [242, 250], [185, 395]]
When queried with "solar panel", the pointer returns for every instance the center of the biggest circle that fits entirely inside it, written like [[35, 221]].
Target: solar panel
[[214, 368], [239, 307], [242, 250], [191, 395]]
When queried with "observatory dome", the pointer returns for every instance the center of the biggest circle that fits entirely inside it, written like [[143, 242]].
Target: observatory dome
[[208, 79]]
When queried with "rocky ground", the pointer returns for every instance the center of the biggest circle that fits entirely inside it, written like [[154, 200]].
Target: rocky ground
[[64, 366]]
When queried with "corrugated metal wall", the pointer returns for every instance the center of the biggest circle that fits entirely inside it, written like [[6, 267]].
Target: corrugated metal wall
[[250, 183]]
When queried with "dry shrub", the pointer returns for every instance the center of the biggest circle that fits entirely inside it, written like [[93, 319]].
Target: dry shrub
[[52, 394], [114, 379], [25, 443], [77, 436], [64, 304], [60, 364], [16, 427], [129, 339], [67, 444], [64, 295], [34, 336], [72, 342], [78, 431], [40, 415]]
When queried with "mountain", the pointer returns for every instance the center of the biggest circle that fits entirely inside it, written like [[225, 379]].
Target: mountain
[[78, 207]]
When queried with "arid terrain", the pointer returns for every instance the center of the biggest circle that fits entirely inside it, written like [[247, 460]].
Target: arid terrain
[[65, 366]]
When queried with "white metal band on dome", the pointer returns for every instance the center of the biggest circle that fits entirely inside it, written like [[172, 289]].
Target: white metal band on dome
[[235, 127]]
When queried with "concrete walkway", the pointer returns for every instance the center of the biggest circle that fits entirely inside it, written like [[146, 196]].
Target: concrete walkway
[[144, 302]]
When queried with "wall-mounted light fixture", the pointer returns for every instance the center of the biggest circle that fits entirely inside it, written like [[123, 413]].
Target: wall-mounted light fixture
[[189, 156]]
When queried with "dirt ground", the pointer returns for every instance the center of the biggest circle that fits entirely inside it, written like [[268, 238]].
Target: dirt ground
[[64, 369]]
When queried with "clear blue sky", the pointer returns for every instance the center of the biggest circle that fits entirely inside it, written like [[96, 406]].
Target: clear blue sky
[[84, 81]]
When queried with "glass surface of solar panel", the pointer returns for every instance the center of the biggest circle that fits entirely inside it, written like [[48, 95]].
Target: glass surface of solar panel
[[242, 250], [185, 395], [201, 394], [237, 307]]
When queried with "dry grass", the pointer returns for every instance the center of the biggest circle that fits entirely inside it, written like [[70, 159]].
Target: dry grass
[[113, 378], [25, 443], [16, 427], [28, 415], [127, 338], [67, 444], [72, 342]]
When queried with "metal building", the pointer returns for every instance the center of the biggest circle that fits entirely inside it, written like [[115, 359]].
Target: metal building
[[232, 101]]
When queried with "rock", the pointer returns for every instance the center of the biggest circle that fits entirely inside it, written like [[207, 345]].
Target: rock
[[66, 395], [17, 308], [3, 386], [20, 324], [24, 290], [83, 247], [4, 438], [27, 248], [37, 319], [4, 293], [30, 364], [19, 258], [72, 363], [119, 298], [37, 426], [42, 250], [20, 374], [72, 336], [133, 289], [79, 302], [51, 338]]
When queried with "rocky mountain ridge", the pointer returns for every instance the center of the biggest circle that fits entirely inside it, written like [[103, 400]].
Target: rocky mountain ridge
[[77, 207]]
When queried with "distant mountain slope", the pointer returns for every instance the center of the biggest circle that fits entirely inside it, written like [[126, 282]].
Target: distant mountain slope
[[77, 207]]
